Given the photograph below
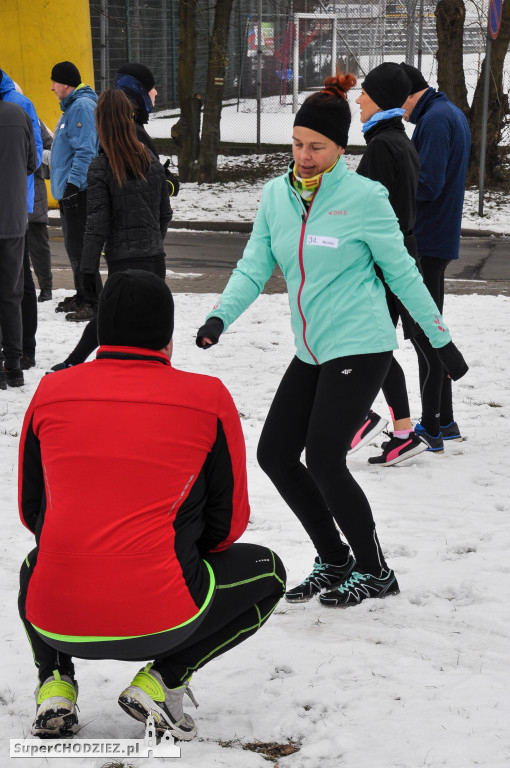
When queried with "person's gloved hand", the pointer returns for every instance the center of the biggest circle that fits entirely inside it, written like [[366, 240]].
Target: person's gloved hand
[[171, 180], [88, 282], [70, 198], [58, 367], [453, 361], [211, 330]]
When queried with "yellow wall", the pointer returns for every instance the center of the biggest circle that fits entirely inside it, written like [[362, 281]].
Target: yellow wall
[[35, 35]]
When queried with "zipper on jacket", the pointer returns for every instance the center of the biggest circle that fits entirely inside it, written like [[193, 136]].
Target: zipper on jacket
[[304, 219]]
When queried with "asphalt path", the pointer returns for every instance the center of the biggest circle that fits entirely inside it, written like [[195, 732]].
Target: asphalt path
[[201, 262]]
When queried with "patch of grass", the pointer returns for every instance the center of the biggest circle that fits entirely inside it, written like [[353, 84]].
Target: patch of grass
[[492, 404], [271, 750], [255, 170]]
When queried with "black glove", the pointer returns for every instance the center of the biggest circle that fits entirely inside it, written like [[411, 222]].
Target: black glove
[[70, 198], [212, 330], [171, 180], [88, 282], [451, 358]]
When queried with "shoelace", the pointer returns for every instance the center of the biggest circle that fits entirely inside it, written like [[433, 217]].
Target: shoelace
[[352, 581], [317, 568]]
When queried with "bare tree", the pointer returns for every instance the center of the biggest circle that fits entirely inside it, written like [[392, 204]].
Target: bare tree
[[450, 16]]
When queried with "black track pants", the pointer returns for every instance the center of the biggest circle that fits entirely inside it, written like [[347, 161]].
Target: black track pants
[[435, 385], [319, 408], [250, 581]]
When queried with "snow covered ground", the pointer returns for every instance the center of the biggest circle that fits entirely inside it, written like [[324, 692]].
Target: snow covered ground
[[421, 679], [238, 201]]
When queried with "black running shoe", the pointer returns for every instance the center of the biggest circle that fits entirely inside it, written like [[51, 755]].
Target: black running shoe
[[56, 715], [323, 576], [435, 444], [358, 587], [452, 432], [396, 449], [14, 377], [69, 304], [371, 427]]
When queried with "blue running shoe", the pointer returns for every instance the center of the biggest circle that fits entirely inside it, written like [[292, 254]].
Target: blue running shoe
[[452, 432], [435, 444]]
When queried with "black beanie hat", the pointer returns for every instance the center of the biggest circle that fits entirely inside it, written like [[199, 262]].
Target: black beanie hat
[[66, 74], [328, 111], [140, 73], [135, 309], [418, 82], [387, 85]]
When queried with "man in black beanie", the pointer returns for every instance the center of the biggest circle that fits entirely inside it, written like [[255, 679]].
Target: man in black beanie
[[136, 550], [139, 85], [74, 145], [443, 140]]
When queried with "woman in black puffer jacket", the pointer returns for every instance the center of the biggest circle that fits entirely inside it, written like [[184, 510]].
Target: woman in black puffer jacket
[[128, 209]]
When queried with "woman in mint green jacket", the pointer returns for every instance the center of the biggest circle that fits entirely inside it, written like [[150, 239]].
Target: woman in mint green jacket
[[326, 228]]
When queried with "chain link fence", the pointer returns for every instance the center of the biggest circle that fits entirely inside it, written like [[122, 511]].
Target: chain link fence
[[264, 84]]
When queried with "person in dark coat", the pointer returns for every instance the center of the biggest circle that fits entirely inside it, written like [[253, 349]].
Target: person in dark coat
[[128, 208], [18, 158], [137, 82], [443, 141], [391, 159], [38, 239]]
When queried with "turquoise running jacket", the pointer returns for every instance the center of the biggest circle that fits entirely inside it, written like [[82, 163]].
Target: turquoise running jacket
[[327, 255]]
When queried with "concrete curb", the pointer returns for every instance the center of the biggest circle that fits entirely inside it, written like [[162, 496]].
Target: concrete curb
[[246, 226]]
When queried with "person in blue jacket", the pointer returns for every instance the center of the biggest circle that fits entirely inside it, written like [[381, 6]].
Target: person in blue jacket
[[327, 228], [75, 143], [12, 92], [443, 141]]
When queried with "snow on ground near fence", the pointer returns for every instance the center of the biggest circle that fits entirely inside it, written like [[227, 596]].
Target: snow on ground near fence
[[238, 201], [421, 679]]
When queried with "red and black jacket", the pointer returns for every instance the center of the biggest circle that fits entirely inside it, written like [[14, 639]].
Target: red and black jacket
[[129, 473]]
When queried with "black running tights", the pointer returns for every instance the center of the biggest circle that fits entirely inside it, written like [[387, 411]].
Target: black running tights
[[435, 385], [319, 408]]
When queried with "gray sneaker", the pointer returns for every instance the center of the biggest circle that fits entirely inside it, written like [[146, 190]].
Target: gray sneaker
[[56, 715], [148, 695]]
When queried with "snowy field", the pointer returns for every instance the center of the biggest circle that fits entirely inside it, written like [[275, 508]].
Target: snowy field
[[238, 201], [421, 679]]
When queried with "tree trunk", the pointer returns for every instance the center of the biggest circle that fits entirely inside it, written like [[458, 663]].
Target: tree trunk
[[450, 15], [498, 109], [216, 67], [186, 131]]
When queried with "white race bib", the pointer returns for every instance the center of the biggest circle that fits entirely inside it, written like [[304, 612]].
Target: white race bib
[[326, 242]]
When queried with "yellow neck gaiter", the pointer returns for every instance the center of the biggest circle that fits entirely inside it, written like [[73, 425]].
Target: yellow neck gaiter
[[308, 187]]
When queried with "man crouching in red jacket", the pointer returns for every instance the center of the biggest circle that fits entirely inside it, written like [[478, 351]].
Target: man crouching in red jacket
[[132, 477]]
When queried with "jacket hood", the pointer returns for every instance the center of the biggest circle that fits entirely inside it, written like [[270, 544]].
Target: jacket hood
[[81, 92], [6, 83]]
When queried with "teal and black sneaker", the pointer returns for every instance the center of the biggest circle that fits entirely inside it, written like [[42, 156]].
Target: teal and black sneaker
[[56, 715], [360, 586], [324, 576], [148, 695]]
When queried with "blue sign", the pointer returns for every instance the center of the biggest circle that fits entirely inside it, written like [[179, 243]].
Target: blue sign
[[495, 8]]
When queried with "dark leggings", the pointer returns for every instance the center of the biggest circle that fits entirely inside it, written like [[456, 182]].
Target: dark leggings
[[320, 407], [88, 342], [250, 581], [28, 304], [435, 385]]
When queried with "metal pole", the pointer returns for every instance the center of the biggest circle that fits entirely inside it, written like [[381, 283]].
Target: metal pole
[[485, 112], [420, 32], [259, 70], [295, 67], [333, 50]]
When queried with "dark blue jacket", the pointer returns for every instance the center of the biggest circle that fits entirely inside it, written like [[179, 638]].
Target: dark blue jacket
[[443, 141], [9, 93]]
